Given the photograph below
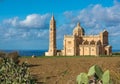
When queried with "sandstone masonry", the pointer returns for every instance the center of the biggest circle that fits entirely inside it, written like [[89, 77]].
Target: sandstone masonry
[[78, 44]]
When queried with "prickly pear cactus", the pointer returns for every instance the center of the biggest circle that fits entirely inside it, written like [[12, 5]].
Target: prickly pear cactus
[[95, 70], [106, 77], [82, 79], [95, 76], [91, 71], [12, 73]]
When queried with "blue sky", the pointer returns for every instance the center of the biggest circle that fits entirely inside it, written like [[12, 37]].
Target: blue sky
[[24, 24]]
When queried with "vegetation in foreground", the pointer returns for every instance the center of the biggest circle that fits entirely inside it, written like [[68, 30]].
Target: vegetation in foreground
[[51, 70], [13, 55], [11, 72], [95, 76], [116, 53]]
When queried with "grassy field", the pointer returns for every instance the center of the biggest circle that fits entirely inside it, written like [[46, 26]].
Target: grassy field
[[64, 70]]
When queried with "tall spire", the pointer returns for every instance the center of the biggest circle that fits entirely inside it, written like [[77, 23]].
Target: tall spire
[[52, 37], [52, 18]]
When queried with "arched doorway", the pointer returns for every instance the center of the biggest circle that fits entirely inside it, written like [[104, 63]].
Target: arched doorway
[[105, 52]]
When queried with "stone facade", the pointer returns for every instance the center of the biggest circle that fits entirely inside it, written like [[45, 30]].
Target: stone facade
[[79, 44], [52, 38]]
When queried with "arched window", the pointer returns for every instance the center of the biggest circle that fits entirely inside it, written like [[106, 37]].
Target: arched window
[[98, 43], [86, 42], [92, 42]]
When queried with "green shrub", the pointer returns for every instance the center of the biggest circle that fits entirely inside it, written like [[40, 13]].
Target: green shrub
[[2, 54], [11, 55], [13, 73], [14, 56], [116, 53]]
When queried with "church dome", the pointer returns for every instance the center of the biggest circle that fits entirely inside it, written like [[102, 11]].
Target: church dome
[[78, 30]]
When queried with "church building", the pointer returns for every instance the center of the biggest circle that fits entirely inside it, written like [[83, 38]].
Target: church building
[[79, 44]]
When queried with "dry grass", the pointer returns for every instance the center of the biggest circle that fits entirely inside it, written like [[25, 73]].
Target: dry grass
[[65, 70]]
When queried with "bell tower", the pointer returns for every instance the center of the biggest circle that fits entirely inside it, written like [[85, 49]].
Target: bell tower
[[52, 37]]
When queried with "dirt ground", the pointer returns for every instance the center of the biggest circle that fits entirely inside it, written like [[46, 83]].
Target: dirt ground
[[64, 70]]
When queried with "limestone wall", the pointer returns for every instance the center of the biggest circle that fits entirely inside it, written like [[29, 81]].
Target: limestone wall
[[69, 46], [88, 50], [92, 37]]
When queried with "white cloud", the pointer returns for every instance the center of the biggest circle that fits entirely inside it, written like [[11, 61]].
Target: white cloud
[[11, 22], [93, 19], [68, 14], [17, 29], [31, 21], [96, 18], [35, 21]]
